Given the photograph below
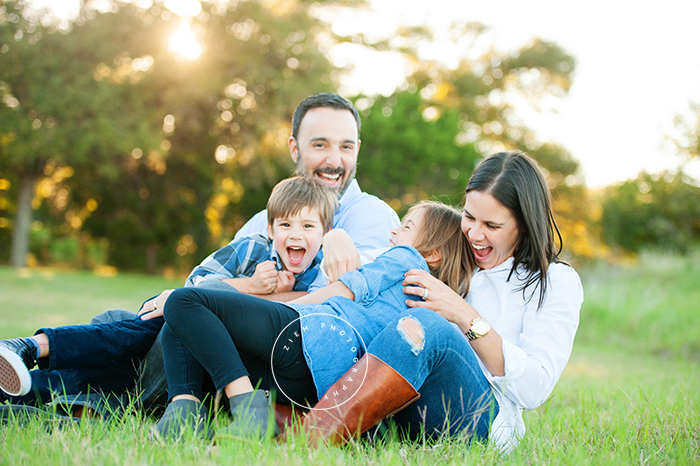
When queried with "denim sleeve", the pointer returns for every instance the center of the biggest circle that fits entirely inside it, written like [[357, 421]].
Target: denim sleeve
[[389, 268]]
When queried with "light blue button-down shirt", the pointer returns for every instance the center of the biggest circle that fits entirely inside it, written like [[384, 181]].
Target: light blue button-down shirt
[[335, 334], [367, 219]]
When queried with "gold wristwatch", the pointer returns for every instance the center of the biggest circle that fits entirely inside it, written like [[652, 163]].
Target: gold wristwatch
[[478, 329]]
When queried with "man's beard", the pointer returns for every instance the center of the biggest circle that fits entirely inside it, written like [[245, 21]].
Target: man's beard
[[340, 190]]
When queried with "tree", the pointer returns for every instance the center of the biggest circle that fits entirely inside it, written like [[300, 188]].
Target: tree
[[200, 143], [654, 210], [55, 110], [426, 138]]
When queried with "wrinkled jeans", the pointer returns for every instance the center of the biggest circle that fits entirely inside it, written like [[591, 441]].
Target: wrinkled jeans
[[456, 398], [103, 356]]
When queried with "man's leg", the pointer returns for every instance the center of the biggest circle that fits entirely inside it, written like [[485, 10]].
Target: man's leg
[[103, 356]]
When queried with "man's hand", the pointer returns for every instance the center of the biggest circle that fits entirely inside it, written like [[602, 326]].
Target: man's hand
[[339, 254], [285, 281], [154, 307]]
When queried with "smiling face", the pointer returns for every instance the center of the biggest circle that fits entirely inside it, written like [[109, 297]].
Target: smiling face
[[297, 238], [326, 147], [406, 234], [490, 228]]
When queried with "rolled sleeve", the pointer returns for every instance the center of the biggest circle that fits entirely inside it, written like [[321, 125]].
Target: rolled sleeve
[[371, 279]]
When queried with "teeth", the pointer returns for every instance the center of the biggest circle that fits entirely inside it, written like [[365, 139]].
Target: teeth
[[478, 247], [296, 248], [329, 177]]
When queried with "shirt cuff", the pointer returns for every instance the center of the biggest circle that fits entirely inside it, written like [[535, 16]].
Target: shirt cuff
[[356, 282]]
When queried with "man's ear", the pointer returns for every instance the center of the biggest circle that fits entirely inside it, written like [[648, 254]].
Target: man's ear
[[433, 258], [293, 148], [269, 231]]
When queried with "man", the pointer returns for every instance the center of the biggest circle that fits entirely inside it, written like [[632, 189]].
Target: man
[[324, 144]]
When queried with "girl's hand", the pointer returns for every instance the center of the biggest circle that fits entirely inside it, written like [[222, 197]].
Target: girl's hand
[[438, 297]]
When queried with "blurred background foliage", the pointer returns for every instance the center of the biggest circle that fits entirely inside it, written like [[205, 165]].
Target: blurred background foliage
[[119, 150]]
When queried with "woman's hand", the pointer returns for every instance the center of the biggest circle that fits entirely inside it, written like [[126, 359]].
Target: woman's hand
[[438, 297], [154, 307]]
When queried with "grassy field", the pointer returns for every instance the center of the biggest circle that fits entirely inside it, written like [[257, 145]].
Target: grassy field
[[628, 396]]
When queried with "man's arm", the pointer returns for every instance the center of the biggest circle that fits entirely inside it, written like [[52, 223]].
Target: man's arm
[[339, 254]]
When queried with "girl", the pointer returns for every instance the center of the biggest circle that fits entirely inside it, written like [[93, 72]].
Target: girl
[[298, 349]]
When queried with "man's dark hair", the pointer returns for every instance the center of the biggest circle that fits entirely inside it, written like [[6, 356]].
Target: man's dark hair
[[326, 100]]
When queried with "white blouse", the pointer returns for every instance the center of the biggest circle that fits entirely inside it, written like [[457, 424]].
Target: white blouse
[[537, 343]]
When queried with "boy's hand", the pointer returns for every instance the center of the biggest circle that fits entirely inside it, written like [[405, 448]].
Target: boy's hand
[[264, 280], [285, 281]]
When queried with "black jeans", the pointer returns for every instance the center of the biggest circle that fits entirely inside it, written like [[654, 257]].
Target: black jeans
[[232, 335]]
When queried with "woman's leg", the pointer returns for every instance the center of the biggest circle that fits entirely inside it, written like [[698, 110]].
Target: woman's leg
[[232, 335], [439, 362]]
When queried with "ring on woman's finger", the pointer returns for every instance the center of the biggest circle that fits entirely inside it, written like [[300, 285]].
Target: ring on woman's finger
[[425, 294], [155, 305]]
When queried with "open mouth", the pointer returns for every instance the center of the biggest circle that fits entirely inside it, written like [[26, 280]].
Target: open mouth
[[481, 252], [295, 255], [329, 179]]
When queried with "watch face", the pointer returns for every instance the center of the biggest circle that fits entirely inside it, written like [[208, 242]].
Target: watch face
[[480, 327]]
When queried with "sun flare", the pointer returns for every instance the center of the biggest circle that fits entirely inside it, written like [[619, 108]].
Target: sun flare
[[184, 43]]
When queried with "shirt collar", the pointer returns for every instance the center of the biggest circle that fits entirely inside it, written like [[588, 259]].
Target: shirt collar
[[350, 194]]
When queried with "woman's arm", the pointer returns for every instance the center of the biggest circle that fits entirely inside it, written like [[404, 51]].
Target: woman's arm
[[443, 300]]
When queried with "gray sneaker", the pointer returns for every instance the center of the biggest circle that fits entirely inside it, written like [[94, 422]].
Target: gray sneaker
[[16, 358]]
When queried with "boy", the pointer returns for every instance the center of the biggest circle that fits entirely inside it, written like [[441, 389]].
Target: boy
[[106, 356], [299, 213]]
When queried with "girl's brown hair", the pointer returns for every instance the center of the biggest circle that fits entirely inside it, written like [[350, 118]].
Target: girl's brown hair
[[441, 230]]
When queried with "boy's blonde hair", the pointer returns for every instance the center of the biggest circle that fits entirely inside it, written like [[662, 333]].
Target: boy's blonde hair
[[290, 196], [441, 230]]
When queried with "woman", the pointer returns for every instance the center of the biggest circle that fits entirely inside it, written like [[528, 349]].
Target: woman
[[494, 354]]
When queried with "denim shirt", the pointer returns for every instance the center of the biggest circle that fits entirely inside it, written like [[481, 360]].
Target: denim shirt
[[335, 334]]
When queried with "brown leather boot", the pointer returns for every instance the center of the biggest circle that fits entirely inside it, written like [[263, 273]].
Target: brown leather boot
[[357, 402]]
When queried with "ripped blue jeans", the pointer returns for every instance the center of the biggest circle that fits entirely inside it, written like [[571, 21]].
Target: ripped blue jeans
[[434, 357]]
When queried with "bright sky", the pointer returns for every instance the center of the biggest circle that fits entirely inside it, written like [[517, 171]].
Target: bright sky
[[637, 68]]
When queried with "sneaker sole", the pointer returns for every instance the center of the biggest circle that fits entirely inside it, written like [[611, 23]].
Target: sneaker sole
[[14, 375]]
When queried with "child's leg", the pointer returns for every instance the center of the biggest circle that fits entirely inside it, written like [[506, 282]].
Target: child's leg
[[223, 329]]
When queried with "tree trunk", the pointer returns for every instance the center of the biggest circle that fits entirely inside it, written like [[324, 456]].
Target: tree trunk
[[23, 220]]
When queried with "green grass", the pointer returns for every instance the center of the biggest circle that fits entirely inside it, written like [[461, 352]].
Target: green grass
[[628, 396]]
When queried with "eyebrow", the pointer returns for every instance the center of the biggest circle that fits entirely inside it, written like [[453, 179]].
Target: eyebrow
[[325, 139], [489, 222]]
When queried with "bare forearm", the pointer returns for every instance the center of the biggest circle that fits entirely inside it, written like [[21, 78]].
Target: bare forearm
[[283, 297], [319, 296]]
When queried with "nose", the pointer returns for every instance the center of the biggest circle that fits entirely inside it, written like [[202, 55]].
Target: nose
[[295, 233], [476, 232], [333, 157]]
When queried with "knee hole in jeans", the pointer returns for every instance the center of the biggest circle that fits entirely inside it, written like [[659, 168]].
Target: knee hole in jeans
[[412, 333]]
